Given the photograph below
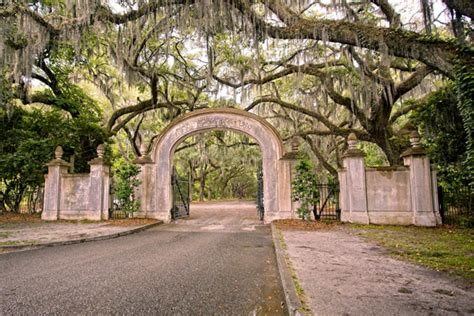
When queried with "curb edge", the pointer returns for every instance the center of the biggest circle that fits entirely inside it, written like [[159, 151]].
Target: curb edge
[[82, 240], [293, 303]]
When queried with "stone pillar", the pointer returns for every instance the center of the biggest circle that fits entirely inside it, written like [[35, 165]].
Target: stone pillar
[[422, 199], [285, 207], [145, 192], [290, 160], [353, 195], [52, 187], [99, 197]]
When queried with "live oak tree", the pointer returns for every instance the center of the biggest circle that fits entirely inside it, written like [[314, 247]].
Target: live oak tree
[[342, 66]]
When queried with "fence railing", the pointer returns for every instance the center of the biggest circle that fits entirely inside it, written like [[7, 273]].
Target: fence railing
[[457, 206], [32, 201], [327, 206], [180, 184]]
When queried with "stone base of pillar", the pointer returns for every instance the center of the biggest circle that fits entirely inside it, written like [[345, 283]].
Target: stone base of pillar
[[82, 215], [141, 214], [270, 217], [49, 216], [162, 216], [427, 219], [391, 217], [358, 218], [345, 216]]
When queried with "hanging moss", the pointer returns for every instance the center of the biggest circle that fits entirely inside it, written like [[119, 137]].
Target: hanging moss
[[15, 39]]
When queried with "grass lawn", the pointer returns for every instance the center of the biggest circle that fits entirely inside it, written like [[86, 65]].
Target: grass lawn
[[441, 248]]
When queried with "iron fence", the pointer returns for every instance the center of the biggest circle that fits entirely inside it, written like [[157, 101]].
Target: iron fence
[[456, 206], [180, 185], [260, 197], [32, 200], [327, 206]]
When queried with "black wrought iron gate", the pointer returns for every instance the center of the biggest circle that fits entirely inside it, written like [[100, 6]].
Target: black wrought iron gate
[[327, 206], [260, 208], [180, 207]]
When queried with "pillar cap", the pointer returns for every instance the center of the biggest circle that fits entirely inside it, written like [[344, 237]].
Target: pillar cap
[[352, 150], [143, 160], [58, 161], [416, 149], [100, 156], [144, 156]]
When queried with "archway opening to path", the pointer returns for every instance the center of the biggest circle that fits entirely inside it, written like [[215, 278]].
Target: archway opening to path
[[156, 190], [219, 174]]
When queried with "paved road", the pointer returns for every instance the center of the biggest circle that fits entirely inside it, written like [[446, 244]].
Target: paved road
[[198, 266]]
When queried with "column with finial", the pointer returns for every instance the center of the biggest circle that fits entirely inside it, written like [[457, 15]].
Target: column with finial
[[353, 186], [422, 198], [99, 195], [145, 190], [52, 187]]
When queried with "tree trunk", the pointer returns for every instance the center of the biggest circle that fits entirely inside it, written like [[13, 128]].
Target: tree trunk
[[202, 185]]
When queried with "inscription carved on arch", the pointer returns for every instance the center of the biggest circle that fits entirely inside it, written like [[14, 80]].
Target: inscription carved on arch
[[209, 123]]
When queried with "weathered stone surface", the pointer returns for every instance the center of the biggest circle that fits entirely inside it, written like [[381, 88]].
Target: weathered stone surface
[[77, 196], [156, 194], [398, 196], [422, 192], [52, 187]]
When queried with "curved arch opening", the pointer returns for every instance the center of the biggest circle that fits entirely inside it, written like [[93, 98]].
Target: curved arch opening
[[156, 196], [217, 172]]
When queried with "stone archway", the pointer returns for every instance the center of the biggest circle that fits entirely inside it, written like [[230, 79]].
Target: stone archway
[[155, 192]]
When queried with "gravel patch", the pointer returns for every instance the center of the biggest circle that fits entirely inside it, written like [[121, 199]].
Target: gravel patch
[[343, 275]]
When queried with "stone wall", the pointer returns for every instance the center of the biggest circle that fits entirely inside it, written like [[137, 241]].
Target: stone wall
[[76, 196], [404, 195]]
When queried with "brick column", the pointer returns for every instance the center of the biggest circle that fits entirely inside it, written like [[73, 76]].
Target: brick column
[[99, 196], [353, 186], [52, 187], [422, 198]]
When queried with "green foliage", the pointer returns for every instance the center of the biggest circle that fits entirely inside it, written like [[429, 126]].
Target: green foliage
[[125, 178], [444, 135], [29, 140], [374, 155], [6, 92], [66, 95], [222, 164], [15, 38], [465, 89], [30, 136], [304, 188]]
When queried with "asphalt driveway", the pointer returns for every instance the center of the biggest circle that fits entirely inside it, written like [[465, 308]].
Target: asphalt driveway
[[198, 266]]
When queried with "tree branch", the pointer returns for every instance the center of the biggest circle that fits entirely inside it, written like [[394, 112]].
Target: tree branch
[[336, 130], [320, 157], [411, 82], [392, 16]]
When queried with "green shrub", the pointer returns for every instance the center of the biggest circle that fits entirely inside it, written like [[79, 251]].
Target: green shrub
[[125, 177], [304, 188]]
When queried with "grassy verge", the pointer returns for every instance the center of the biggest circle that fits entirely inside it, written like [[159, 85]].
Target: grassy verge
[[298, 288], [441, 248], [5, 234], [18, 242]]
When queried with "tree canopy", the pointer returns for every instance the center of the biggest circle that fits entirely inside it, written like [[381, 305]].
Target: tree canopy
[[317, 70]]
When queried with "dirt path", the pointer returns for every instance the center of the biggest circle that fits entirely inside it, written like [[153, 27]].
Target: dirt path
[[221, 215], [343, 275]]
